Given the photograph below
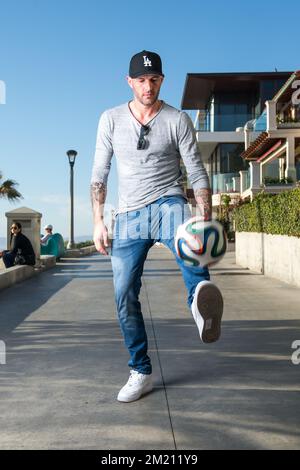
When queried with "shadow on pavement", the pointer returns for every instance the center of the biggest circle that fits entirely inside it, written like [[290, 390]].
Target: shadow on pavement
[[240, 392], [22, 299]]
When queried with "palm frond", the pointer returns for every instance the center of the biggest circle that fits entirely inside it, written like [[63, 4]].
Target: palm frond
[[8, 190]]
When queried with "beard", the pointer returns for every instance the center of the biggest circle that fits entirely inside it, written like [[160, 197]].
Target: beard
[[147, 100]]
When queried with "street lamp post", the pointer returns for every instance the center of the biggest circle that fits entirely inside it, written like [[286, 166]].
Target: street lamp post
[[71, 156]]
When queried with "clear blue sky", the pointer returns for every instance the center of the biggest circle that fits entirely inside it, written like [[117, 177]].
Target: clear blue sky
[[65, 61]]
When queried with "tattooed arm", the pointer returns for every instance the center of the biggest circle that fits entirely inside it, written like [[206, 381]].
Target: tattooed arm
[[101, 167], [203, 199], [196, 172], [98, 195]]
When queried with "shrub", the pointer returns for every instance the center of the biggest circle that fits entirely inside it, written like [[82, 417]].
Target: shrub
[[224, 216], [274, 214], [268, 180]]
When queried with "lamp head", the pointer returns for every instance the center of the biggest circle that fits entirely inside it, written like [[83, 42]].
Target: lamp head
[[71, 156]]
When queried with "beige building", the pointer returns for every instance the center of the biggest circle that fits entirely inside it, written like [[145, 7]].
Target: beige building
[[274, 156], [226, 107]]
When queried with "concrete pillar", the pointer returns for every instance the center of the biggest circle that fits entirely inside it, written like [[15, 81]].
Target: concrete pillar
[[31, 226], [243, 180], [255, 175], [281, 168], [262, 173], [271, 115], [247, 135], [290, 170]]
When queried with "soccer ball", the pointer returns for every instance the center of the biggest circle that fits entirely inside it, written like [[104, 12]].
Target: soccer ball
[[200, 243]]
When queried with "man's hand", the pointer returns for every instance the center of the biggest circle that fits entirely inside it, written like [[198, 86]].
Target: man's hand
[[203, 199], [101, 238]]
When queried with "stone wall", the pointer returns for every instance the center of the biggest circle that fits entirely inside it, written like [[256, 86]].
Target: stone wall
[[276, 256]]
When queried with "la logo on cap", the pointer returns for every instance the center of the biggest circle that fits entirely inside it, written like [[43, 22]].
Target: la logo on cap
[[147, 62]]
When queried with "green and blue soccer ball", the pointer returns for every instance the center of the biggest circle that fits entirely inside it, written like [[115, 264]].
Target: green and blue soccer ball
[[200, 243]]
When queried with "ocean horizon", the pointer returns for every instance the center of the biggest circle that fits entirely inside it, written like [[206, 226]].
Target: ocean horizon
[[79, 239]]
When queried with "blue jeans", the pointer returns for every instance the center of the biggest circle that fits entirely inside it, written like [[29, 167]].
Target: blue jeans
[[135, 232], [8, 259]]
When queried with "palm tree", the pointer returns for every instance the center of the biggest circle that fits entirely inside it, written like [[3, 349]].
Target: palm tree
[[8, 189]]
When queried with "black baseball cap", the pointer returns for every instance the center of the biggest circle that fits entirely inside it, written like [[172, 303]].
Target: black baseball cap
[[145, 63]]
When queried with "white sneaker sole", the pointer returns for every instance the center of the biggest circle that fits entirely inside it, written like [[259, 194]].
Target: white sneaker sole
[[136, 396], [207, 310]]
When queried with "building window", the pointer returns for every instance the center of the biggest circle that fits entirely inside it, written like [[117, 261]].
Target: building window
[[230, 158], [232, 110], [225, 163]]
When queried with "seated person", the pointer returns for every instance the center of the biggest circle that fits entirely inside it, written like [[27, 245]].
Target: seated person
[[21, 251], [48, 229]]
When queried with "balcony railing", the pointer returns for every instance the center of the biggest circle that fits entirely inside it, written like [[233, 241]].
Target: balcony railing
[[287, 115], [287, 123], [223, 182], [209, 122], [247, 180]]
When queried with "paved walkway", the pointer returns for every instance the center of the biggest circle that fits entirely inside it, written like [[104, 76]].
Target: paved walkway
[[66, 362]]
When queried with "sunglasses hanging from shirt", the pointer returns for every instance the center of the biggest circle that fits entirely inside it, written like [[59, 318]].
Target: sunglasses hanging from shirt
[[141, 145]]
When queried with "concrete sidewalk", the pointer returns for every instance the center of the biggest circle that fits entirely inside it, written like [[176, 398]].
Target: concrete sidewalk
[[65, 363]]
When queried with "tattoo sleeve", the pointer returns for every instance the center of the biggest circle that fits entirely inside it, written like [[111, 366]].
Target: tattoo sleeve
[[98, 195], [203, 199]]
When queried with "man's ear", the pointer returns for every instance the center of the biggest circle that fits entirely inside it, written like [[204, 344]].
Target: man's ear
[[129, 81]]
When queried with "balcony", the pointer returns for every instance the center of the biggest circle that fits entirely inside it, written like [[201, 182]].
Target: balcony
[[252, 182], [287, 123], [225, 183], [207, 121], [282, 116], [213, 129], [287, 115]]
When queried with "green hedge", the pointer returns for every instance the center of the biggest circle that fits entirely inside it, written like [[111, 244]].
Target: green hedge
[[274, 214]]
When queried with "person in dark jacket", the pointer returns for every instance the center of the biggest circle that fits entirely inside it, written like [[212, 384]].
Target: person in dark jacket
[[21, 251]]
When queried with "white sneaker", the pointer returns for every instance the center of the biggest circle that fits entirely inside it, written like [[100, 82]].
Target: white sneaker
[[138, 384], [207, 310]]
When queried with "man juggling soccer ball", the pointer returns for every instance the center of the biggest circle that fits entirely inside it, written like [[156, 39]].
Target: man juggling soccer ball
[[148, 137]]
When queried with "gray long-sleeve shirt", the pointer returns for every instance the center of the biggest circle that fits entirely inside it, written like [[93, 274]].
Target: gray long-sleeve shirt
[[146, 175]]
